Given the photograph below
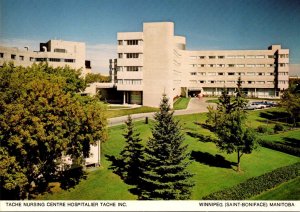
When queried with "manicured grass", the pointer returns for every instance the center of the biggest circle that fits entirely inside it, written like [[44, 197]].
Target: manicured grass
[[289, 138], [181, 103], [286, 191], [125, 112], [210, 172]]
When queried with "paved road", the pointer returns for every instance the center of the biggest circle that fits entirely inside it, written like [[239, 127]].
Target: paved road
[[196, 105]]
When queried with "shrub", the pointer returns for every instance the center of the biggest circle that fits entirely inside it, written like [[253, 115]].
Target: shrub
[[278, 127], [280, 147], [264, 129], [257, 185]]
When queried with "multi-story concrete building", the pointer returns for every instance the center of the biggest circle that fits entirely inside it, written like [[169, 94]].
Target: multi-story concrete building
[[156, 61], [55, 52]]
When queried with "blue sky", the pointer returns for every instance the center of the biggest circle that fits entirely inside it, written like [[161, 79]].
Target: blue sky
[[207, 24]]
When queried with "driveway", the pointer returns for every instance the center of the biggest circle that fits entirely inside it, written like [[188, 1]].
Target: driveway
[[196, 105]]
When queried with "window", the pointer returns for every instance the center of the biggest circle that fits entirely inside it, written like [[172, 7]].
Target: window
[[231, 65], [202, 65], [282, 64], [240, 56], [220, 73], [230, 81], [230, 73], [250, 82], [283, 73], [1, 55], [270, 82], [220, 81], [212, 65], [193, 65], [260, 56], [269, 73], [60, 50], [212, 57], [132, 55], [269, 65], [201, 73], [282, 82], [54, 59], [132, 42], [241, 73], [250, 56], [221, 57], [193, 81], [251, 73], [120, 55], [250, 65], [120, 81], [260, 82], [40, 59], [271, 56], [240, 65], [21, 57], [260, 74], [220, 65], [70, 60], [260, 65], [202, 57], [133, 68], [13, 56], [120, 42], [211, 81], [193, 57], [230, 56], [193, 73], [31, 59], [201, 81], [211, 74]]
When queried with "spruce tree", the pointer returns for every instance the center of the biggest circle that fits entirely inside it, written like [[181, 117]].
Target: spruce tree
[[165, 176], [132, 155]]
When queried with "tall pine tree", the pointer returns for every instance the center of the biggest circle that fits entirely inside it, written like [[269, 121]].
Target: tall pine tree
[[165, 176], [132, 155]]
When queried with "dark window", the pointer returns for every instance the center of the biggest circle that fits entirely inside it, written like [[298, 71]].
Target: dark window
[[60, 50], [54, 59], [13, 57], [70, 60], [1, 55]]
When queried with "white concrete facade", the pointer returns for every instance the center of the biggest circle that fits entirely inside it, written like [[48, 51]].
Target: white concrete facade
[[57, 53], [155, 61]]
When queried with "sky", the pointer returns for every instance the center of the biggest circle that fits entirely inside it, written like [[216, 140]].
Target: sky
[[206, 24]]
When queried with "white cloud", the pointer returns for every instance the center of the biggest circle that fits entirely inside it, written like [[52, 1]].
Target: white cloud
[[99, 55]]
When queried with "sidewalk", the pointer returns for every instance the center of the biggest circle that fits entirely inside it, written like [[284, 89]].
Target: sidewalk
[[196, 105]]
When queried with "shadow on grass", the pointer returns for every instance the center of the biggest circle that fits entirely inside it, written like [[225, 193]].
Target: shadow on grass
[[202, 138], [276, 115], [211, 160], [205, 126], [292, 142]]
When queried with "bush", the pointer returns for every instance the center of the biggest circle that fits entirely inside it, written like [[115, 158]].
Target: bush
[[278, 127], [264, 129], [280, 147], [257, 185]]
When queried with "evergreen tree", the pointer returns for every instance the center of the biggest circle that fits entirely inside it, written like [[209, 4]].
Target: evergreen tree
[[165, 176], [131, 156]]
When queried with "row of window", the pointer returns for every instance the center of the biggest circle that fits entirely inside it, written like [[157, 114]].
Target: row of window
[[239, 57], [236, 73], [129, 68], [32, 59], [231, 81], [237, 65], [129, 81], [129, 42], [128, 55]]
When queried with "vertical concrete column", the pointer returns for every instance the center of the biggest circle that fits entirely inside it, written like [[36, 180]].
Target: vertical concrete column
[[124, 97]]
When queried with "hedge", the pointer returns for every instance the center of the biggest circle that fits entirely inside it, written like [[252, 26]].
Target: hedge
[[257, 185], [280, 147]]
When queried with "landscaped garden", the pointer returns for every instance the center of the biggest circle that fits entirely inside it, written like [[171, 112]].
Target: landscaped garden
[[213, 170]]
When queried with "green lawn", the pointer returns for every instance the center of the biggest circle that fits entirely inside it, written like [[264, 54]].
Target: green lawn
[[289, 137], [286, 191], [181, 103], [211, 173], [125, 112]]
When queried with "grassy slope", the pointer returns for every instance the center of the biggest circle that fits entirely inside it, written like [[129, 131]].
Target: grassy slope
[[286, 191], [103, 184], [181, 103]]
